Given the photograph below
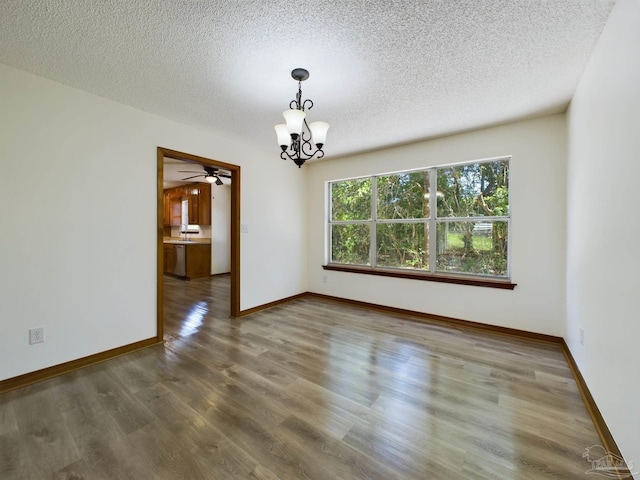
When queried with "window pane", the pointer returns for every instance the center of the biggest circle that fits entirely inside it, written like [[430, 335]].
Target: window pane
[[351, 200], [472, 247], [479, 189], [350, 244], [403, 195], [403, 245]]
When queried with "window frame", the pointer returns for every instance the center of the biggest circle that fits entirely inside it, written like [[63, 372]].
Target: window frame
[[430, 274]]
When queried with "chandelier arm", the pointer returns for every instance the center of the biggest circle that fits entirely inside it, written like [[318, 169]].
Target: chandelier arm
[[304, 104], [300, 158], [306, 149], [306, 132], [285, 156]]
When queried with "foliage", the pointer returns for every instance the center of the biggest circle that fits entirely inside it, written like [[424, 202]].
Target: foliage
[[455, 241], [351, 200], [402, 245], [403, 195], [481, 256], [465, 193], [473, 190], [350, 244]]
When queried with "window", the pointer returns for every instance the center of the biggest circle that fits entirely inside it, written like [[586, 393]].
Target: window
[[397, 221]]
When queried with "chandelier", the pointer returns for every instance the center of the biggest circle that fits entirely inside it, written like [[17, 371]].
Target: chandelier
[[297, 138]]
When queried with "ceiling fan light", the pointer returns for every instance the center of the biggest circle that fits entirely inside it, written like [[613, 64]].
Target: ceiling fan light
[[211, 178], [319, 132], [284, 139], [294, 119]]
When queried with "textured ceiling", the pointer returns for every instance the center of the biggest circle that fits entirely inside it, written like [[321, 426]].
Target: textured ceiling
[[383, 72]]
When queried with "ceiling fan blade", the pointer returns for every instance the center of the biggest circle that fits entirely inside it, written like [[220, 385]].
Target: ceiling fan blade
[[208, 171]]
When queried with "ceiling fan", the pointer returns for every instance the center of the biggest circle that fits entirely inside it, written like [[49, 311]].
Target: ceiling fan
[[211, 174]]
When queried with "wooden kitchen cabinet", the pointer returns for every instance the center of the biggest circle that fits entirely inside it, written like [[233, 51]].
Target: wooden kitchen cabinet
[[198, 196], [167, 210], [169, 256], [173, 206], [199, 199], [197, 259], [204, 204], [175, 210], [193, 200]]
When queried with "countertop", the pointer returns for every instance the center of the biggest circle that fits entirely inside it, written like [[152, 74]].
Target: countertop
[[191, 241]]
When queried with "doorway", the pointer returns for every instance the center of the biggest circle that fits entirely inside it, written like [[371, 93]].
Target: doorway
[[163, 153]]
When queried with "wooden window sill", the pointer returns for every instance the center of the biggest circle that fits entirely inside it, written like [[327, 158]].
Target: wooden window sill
[[429, 277]]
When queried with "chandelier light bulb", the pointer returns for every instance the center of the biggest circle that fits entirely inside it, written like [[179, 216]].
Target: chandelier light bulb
[[284, 138], [294, 119], [319, 132]]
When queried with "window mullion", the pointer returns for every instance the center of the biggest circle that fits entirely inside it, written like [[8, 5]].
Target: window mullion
[[433, 205], [372, 226], [351, 222], [474, 219], [329, 230], [402, 220]]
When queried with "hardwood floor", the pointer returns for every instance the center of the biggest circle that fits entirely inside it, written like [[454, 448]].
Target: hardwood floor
[[309, 389]]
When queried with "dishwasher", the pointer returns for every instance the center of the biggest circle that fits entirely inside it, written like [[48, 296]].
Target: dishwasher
[[180, 268]]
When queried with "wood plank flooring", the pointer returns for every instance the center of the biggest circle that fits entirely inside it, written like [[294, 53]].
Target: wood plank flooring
[[306, 390]]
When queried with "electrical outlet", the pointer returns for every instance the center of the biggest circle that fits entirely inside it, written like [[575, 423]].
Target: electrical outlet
[[36, 335], [324, 279], [581, 336]]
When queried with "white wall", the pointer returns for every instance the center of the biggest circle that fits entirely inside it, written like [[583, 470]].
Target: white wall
[[603, 255], [537, 179], [62, 154], [220, 229]]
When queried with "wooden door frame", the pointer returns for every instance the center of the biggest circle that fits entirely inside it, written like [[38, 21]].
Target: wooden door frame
[[235, 228]]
